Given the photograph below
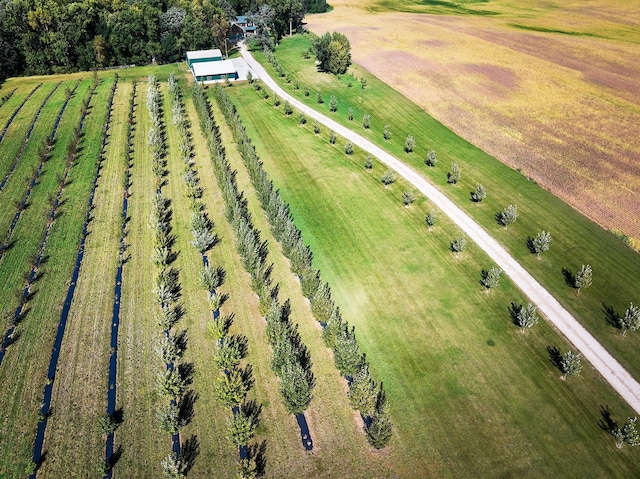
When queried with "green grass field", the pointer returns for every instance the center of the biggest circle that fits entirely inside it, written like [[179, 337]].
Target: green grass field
[[453, 365], [576, 239]]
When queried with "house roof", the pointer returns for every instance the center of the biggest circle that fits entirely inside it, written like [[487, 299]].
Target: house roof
[[243, 19], [249, 28], [200, 54], [213, 68]]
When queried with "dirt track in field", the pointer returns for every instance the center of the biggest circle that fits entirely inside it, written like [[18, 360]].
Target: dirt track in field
[[563, 108]]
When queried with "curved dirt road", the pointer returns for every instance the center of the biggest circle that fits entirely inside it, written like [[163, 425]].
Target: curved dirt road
[[610, 369]]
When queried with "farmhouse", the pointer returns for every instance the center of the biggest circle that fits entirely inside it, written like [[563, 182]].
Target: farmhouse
[[243, 27], [208, 66]]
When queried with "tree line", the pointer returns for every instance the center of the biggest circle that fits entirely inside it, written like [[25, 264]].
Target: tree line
[[50, 36]]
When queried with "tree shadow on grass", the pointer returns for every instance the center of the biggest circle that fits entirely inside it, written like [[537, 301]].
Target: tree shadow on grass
[[530, 245], [569, 278], [186, 405], [555, 357], [190, 451], [258, 452], [606, 422], [514, 311], [610, 314]]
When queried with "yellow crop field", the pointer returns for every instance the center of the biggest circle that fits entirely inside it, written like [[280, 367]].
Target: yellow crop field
[[550, 88]]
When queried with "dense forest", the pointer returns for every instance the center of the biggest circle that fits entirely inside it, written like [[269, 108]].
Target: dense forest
[[59, 36]]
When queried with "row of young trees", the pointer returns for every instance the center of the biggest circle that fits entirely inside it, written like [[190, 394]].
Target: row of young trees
[[365, 394], [172, 383], [290, 359]]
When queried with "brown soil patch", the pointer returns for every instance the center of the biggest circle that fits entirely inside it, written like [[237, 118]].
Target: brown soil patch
[[564, 108]]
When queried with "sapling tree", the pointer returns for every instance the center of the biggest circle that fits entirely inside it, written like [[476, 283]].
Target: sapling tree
[[631, 319], [231, 388], [540, 243], [350, 114], [249, 77], [168, 415], [332, 137], [241, 427], [431, 219], [346, 353], [388, 177], [306, 90], [387, 132], [366, 121], [302, 118], [363, 392], [229, 351], [348, 148], [570, 364], [368, 162], [627, 434], [409, 144], [454, 174], [211, 278], [431, 158], [407, 198], [491, 278], [479, 194], [507, 216], [288, 109], [333, 103], [173, 467], [524, 316], [458, 245], [296, 387], [583, 278], [319, 97], [276, 101], [316, 127]]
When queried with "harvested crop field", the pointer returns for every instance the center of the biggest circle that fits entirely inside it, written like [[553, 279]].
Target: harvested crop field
[[551, 90]]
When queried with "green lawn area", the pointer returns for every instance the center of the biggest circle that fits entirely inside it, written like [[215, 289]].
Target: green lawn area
[[468, 392], [576, 239]]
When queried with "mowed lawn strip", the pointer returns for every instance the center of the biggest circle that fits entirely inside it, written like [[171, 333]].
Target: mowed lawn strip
[[73, 442], [576, 239], [24, 368], [17, 131], [20, 179], [452, 363], [217, 456], [143, 444], [340, 447]]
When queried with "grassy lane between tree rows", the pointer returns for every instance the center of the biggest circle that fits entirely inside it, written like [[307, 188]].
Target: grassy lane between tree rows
[[452, 363], [143, 445], [73, 442], [575, 239]]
